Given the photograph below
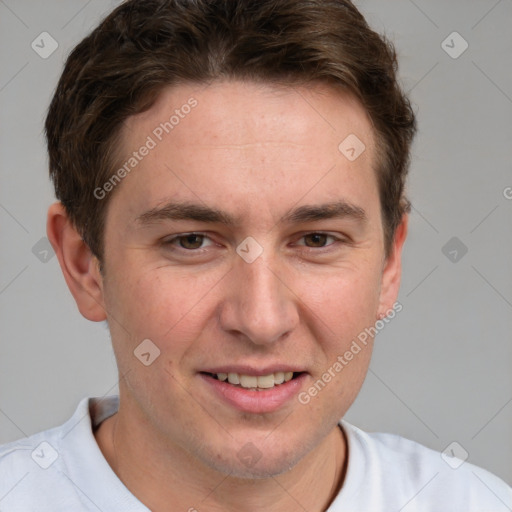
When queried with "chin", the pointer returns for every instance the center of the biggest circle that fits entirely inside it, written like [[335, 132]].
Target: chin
[[259, 471], [250, 463]]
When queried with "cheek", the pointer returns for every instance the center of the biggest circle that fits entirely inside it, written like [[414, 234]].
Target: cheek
[[161, 304], [164, 307], [342, 309], [345, 301]]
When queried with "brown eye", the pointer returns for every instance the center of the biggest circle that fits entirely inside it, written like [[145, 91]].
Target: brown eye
[[316, 239], [191, 241]]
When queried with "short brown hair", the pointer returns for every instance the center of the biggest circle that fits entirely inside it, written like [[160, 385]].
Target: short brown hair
[[146, 45]]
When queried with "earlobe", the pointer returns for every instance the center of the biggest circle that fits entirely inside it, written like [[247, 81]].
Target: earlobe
[[392, 270], [79, 266]]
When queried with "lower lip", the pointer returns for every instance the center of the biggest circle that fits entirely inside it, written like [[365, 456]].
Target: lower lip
[[265, 401]]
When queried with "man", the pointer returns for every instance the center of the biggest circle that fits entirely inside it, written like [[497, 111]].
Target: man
[[230, 178]]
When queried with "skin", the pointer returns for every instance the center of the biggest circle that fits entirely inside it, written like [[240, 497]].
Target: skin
[[255, 151]]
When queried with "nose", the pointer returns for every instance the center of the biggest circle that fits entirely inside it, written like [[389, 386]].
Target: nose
[[260, 305]]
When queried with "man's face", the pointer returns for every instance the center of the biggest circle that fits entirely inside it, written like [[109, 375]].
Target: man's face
[[200, 290]]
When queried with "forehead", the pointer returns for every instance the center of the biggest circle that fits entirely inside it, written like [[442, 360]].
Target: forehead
[[229, 140], [241, 112]]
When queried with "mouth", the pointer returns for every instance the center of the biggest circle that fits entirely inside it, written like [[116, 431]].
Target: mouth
[[254, 382], [266, 392]]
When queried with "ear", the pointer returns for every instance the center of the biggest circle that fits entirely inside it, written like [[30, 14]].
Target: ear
[[79, 266], [392, 271]]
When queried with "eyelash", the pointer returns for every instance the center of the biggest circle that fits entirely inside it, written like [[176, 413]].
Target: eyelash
[[176, 238]]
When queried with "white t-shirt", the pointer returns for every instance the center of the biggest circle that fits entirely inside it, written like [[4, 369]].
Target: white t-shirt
[[63, 470]]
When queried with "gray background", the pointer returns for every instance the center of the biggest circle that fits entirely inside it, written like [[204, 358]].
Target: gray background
[[441, 370]]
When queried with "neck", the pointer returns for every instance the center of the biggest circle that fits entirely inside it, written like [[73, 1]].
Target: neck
[[157, 474]]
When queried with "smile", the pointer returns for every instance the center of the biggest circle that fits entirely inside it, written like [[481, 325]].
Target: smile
[[252, 382], [264, 393]]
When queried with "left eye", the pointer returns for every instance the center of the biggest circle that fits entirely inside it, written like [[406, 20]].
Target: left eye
[[190, 241], [317, 240]]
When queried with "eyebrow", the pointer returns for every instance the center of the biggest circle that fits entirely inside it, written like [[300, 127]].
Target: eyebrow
[[201, 213]]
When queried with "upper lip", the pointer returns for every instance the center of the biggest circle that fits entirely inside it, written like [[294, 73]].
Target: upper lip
[[251, 370]]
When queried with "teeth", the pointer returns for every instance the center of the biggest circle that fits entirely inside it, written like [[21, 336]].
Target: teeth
[[252, 382], [247, 381], [278, 378], [266, 381], [233, 378]]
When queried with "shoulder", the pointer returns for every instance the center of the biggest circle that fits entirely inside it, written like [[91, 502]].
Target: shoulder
[[407, 472], [33, 470], [63, 468], [28, 468]]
